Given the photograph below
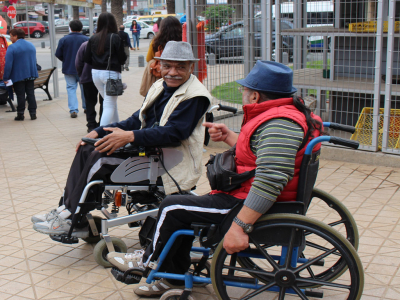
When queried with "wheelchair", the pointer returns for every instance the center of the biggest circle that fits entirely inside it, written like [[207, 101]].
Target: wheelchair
[[290, 254], [134, 184]]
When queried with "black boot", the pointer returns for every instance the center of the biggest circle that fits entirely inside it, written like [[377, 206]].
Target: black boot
[[19, 117], [33, 117]]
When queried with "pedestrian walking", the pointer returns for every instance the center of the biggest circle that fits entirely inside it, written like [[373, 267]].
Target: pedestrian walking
[[66, 52], [105, 53], [20, 70], [89, 89], [135, 28], [127, 45]]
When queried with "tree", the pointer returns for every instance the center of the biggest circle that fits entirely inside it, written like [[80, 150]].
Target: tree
[[217, 16], [117, 10], [104, 6], [170, 6], [75, 12]]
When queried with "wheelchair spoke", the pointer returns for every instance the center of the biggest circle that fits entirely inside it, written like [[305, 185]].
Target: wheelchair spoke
[[282, 293], [323, 283], [232, 264], [299, 292], [290, 249], [337, 223], [265, 254], [310, 271], [313, 245], [309, 263], [259, 291], [251, 271]]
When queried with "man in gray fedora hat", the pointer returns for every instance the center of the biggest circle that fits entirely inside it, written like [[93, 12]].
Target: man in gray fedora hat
[[276, 129], [173, 111]]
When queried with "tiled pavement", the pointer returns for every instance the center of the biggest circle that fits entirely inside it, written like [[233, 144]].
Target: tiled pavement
[[34, 160]]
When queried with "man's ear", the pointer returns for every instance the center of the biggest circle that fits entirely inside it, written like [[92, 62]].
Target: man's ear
[[192, 64], [255, 97]]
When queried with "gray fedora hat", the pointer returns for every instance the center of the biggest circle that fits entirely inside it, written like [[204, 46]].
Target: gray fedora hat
[[178, 51]]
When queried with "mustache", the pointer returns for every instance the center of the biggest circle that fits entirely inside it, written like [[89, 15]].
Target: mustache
[[173, 77]]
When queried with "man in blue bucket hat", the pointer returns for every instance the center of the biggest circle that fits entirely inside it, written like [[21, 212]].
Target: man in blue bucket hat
[[275, 131]]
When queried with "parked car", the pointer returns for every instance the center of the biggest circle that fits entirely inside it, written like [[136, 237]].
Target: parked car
[[146, 32], [85, 23], [62, 25], [36, 29], [46, 25], [229, 41]]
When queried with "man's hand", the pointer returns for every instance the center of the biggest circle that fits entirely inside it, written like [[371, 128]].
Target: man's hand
[[235, 239], [92, 135], [219, 132], [116, 139]]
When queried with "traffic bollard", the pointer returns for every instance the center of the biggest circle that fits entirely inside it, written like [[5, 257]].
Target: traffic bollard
[[141, 61], [43, 44]]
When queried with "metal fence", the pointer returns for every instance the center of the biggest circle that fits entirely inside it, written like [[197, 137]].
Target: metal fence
[[345, 57]]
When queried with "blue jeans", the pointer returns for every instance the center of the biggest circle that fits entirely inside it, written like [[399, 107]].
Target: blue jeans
[[72, 84], [135, 37], [110, 108]]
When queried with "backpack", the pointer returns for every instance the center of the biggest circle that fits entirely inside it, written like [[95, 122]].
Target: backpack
[[3, 50], [155, 66]]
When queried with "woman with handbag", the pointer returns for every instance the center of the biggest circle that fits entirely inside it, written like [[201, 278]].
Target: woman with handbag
[[105, 53], [135, 28], [170, 30]]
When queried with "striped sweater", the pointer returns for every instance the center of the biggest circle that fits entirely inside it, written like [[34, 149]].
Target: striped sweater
[[275, 144]]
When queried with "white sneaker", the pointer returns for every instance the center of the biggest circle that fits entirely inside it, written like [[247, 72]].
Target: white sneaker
[[56, 226], [125, 261], [47, 217]]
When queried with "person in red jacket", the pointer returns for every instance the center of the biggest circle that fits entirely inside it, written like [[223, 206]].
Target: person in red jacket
[[276, 129]]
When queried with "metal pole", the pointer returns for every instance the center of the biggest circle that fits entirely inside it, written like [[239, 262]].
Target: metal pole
[[267, 26], [27, 17], [388, 83], [91, 27], [52, 35], [192, 32], [246, 39], [377, 82], [251, 34], [278, 36]]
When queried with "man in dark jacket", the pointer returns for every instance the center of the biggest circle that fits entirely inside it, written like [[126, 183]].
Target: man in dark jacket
[[66, 52], [89, 89], [127, 45]]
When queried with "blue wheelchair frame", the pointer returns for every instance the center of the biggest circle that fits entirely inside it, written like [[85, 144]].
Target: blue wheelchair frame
[[189, 278]]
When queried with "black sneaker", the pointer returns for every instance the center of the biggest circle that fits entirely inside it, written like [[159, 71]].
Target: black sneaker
[[33, 117], [74, 115]]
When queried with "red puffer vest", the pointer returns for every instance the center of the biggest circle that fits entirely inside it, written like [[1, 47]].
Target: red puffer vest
[[255, 115]]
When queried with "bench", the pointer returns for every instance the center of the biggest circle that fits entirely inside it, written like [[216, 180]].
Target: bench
[[42, 82]]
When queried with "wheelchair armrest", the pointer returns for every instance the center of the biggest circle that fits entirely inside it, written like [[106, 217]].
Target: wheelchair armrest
[[90, 141]]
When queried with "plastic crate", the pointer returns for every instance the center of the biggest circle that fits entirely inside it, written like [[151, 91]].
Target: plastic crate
[[363, 133], [371, 26]]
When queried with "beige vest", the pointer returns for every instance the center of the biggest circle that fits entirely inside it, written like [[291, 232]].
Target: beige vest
[[188, 172]]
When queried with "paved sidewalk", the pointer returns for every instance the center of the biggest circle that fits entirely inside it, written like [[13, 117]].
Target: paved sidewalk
[[34, 161]]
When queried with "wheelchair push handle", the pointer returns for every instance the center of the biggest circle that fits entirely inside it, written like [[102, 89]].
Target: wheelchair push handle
[[330, 139], [344, 142], [341, 127], [227, 108]]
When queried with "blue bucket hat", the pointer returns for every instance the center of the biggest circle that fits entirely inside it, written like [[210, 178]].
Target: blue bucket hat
[[270, 76]]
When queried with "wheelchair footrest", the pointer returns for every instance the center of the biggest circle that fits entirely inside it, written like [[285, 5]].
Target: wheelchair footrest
[[314, 293], [63, 238], [126, 277]]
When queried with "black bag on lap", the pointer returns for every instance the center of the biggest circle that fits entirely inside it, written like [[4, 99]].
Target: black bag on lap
[[221, 171]]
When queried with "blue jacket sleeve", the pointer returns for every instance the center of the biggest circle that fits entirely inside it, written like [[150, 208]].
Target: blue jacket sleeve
[[59, 51], [132, 123], [9, 64]]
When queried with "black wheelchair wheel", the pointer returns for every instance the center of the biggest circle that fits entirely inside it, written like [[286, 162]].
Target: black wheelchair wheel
[[336, 215], [231, 280], [94, 239]]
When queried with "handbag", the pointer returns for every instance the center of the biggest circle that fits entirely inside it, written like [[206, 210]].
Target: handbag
[[221, 172], [114, 87], [147, 80]]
